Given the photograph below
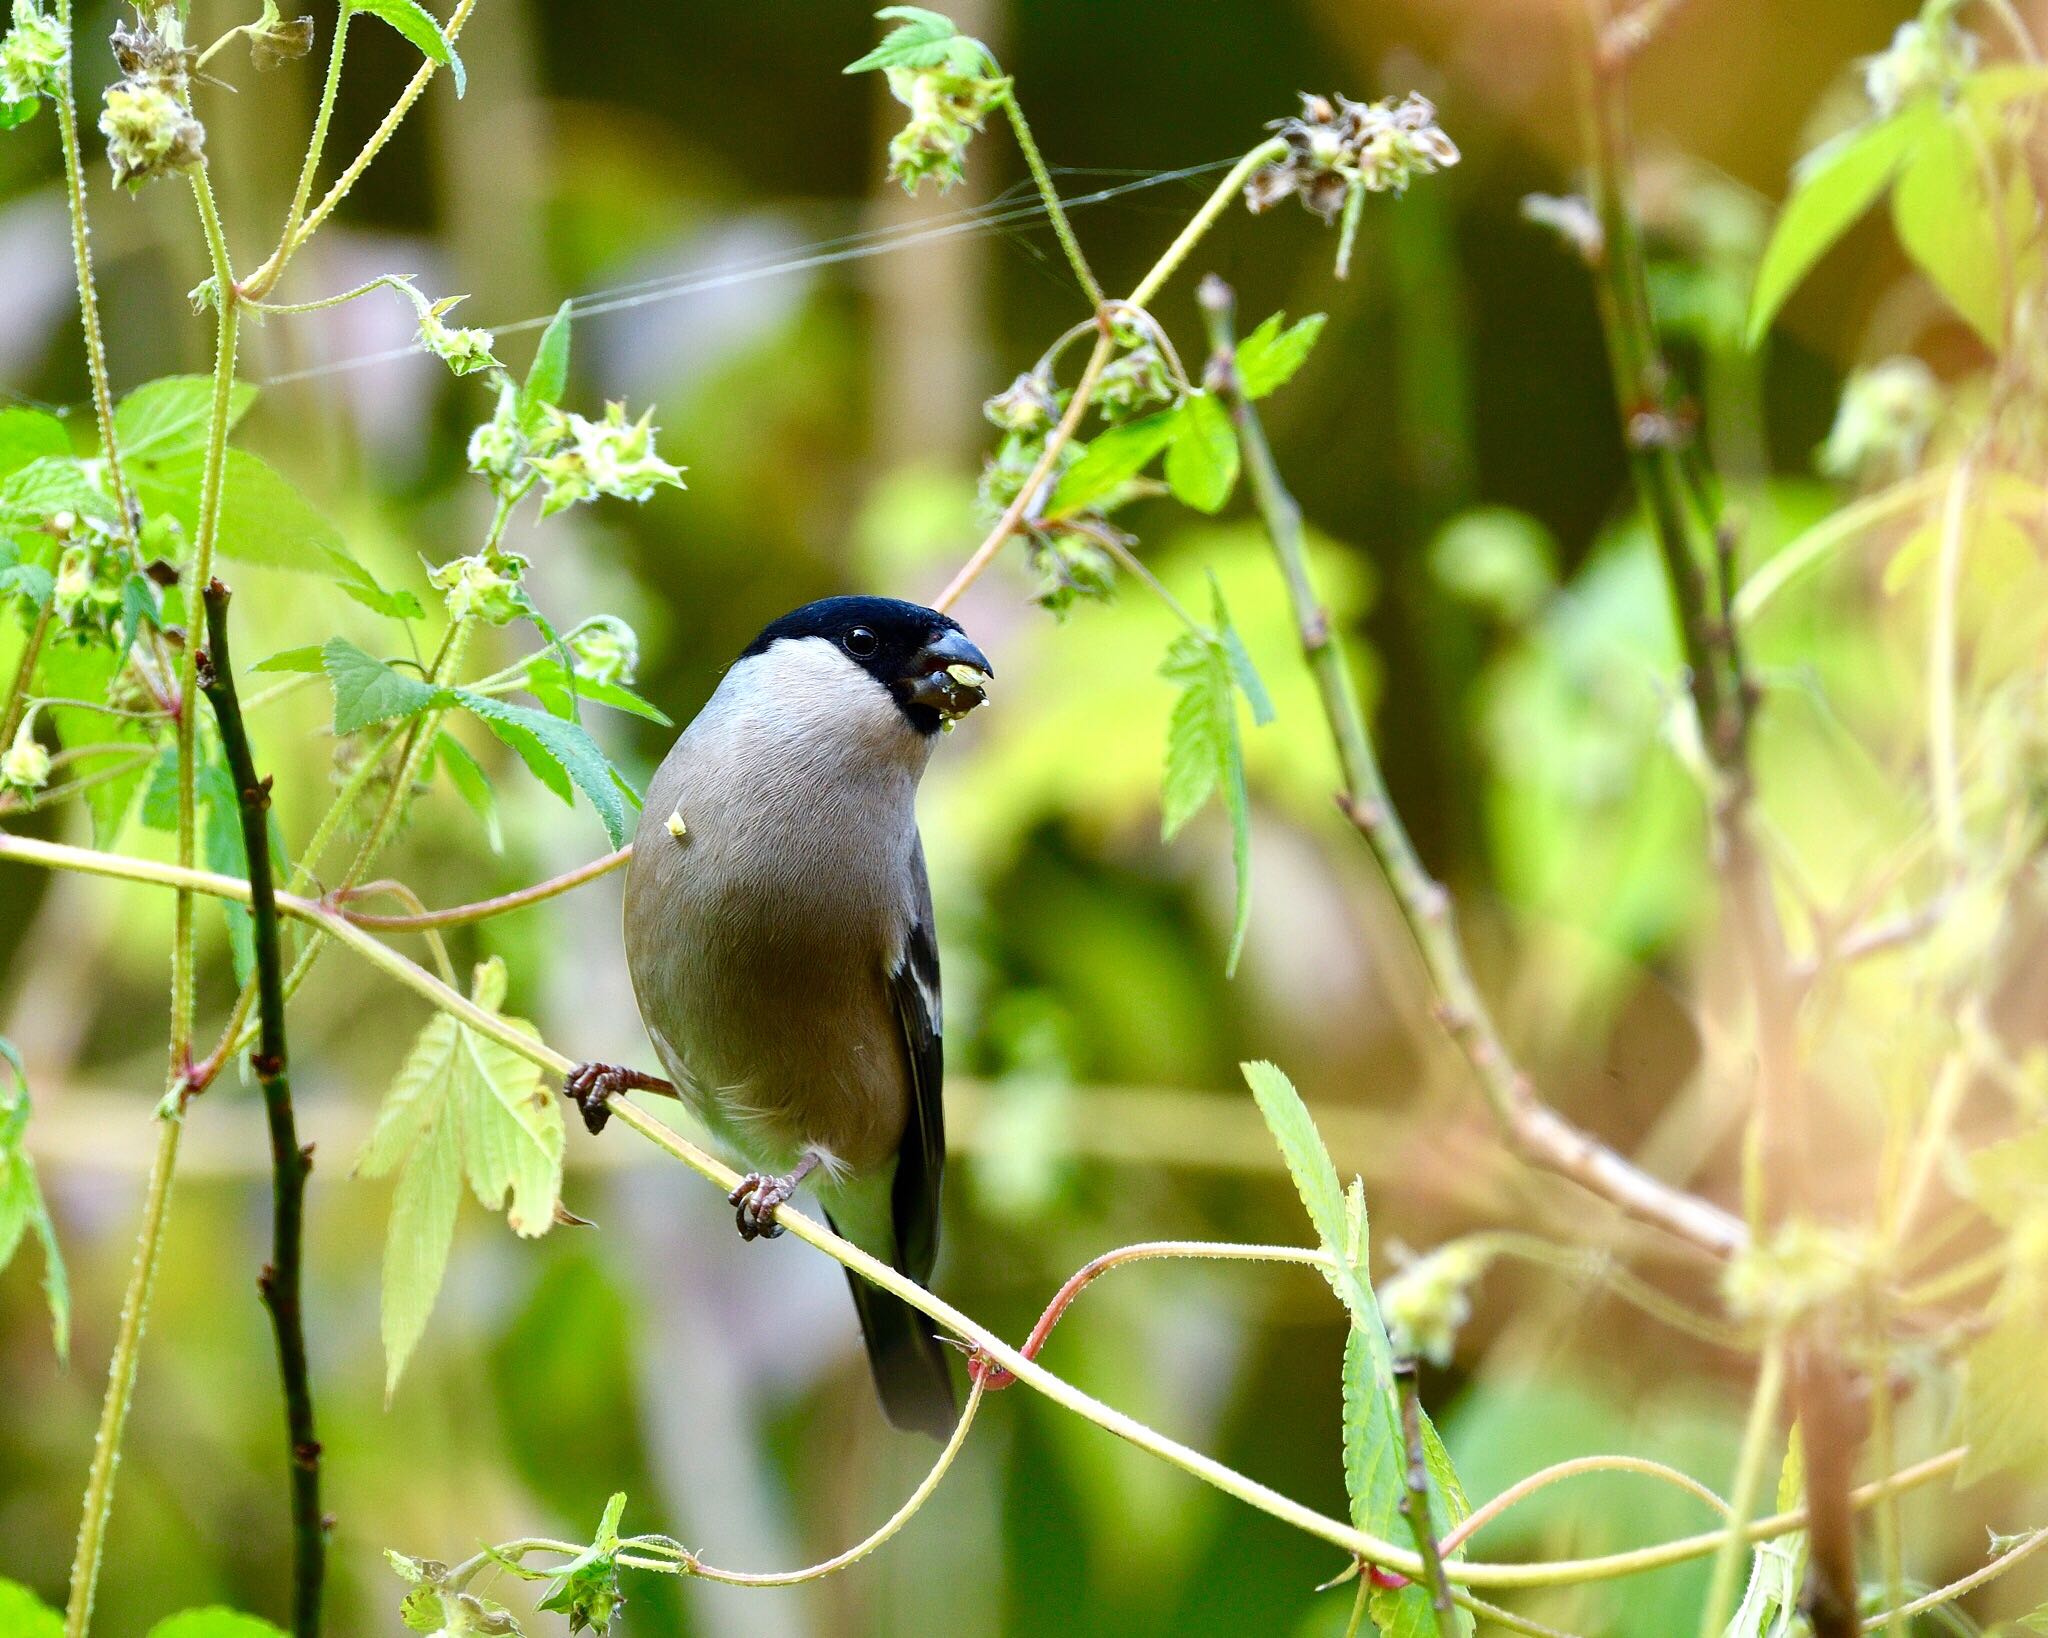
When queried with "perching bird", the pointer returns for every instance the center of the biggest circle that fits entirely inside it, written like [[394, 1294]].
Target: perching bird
[[779, 934]]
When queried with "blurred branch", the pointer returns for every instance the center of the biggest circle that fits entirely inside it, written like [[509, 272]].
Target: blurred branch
[[2028, 1546], [1757, 1435], [1522, 1489], [1536, 1131], [281, 1278]]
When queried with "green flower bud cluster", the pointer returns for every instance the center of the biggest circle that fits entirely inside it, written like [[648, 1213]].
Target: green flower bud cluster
[[147, 119], [25, 765], [586, 459], [1883, 422], [464, 351], [1929, 54], [485, 586], [32, 60], [947, 106], [605, 650], [1427, 1303], [1336, 146]]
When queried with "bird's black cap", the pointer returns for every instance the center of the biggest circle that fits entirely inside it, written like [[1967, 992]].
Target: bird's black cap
[[895, 642]]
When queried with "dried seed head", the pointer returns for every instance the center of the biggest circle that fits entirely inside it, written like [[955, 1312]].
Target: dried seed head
[[149, 133]]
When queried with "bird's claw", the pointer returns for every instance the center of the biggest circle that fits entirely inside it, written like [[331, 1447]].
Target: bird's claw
[[591, 1088], [754, 1203]]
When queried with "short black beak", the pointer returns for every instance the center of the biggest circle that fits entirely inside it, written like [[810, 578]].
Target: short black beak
[[935, 679]]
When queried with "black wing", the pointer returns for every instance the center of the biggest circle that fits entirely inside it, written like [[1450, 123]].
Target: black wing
[[921, 1162]]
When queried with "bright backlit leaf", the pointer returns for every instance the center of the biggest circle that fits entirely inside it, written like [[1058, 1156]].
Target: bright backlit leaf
[[417, 24], [1269, 356], [1202, 460]]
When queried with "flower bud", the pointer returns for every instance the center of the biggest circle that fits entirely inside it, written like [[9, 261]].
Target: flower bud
[[32, 56], [483, 587], [610, 457], [463, 351], [149, 133], [497, 450], [605, 650], [25, 765], [1926, 55], [1427, 1303], [1026, 404], [1882, 425]]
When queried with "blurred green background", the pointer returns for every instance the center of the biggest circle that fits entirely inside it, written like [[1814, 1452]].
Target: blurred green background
[[1454, 444]]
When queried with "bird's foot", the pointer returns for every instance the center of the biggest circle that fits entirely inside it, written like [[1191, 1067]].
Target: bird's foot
[[591, 1087], [755, 1200]]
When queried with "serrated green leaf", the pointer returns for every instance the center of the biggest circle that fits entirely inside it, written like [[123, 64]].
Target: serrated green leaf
[[366, 690], [1202, 460], [1112, 459], [559, 753], [2003, 1417], [1242, 671], [417, 24], [1942, 209], [214, 1622], [1269, 356], [473, 785], [310, 659], [23, 1210], [925, 40], [49, 485], [86, 672], [417, 1240], [29, 580], [461, 1105], [1315, 1180], [166, 418], [23, 1615], [29, 435], [1832, 187], [559, 690], [548, 377], [264, 520], [1197, 746]]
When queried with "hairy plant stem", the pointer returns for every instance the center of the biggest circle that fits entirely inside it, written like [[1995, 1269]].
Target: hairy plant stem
[[1415, 1498], [1027, 145], [1522, 1489], [106, 1448], [16, 706], [119, 867], [265, 278], [261, 281], [1537, 1131], [1149, 286], [281, 1280], [1757, 1434], [483, 909]]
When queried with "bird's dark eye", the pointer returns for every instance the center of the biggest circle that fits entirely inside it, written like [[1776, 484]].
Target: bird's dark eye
[[862, 642]]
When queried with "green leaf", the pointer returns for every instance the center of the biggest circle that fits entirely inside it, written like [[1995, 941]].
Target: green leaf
[[366, 690], [2004, 1415], [559, 689], [215, 1622], [1269, 356], [170, 417], [1110, 461], [473, 785], [311, 658], [417, 24], [29, 580], [29, 435], [18, 113], [23, 1615], [547, 379], [1315, 1180], [1832, 187], [1201, 462], [422, 1225], [23, 1210], [461, 1105], [558, 752], [52, 484], [926, 40], [1942, 209], [87, 672]]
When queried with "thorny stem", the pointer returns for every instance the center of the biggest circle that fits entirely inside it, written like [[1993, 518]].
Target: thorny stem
[[1536, 1130], [281, 1280], [106, 1447], [266, 276], [1955, 1589], [1757, 1434], [1415, 1498], [119, 867], [1148, 287]]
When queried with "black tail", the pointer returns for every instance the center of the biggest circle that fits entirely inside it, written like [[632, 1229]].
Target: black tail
[[908, 1360]]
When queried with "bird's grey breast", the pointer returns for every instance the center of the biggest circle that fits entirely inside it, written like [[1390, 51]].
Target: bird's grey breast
[[766, 903]]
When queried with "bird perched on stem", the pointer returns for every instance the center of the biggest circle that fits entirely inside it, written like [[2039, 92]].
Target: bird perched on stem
[[779, 934]]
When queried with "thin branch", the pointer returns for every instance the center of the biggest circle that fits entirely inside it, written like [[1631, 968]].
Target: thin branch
[[1955, 1589], [1027, 144], [1098, 360], [482, 909], [1537, 1131], [1359, 1544], [1757, 1435], [1522, 1489], [1415, 1498], [280, 1281]]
